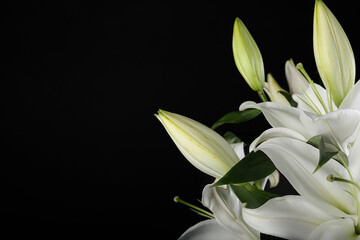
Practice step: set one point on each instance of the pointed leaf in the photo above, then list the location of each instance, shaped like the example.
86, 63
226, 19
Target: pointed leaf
236, 117
254, 166
341, 158
252, 196
324, 156
315, 141
289, 98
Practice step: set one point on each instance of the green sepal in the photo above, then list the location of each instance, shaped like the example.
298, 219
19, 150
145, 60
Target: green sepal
251, 195
237, 117
254, 166
324, 155
289, 98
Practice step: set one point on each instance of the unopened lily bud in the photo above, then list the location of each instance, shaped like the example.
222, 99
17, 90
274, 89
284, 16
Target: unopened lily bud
247, 57
273, 90
201, 146
296, 81
333, 54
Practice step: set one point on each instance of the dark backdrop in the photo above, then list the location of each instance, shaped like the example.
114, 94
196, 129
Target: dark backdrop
81, 83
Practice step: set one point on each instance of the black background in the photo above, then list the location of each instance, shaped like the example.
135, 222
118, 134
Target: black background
83, 152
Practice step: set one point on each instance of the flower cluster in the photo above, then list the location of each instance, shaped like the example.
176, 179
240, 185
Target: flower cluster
313, 142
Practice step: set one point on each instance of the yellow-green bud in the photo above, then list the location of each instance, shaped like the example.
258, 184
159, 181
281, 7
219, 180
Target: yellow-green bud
333, 54
247, 57
201, 146
273, 90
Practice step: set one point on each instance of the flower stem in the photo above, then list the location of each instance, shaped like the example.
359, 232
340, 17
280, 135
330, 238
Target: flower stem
262, 96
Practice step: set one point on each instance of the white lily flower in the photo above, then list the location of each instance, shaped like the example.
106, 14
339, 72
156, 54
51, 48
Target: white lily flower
228, 222
325, 210
333, 54
338, 128
201, 146
247, 57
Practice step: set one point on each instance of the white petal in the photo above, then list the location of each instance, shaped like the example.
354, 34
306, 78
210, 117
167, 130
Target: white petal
207, 230
239, 149
297, 82
274, 133
274, 179
227, 208
297, 160
281, 115
290, 217
354, 160
334, 230
352, 99
308, 97
339, 128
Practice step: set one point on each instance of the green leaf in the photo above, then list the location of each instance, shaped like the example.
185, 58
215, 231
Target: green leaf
268, 237
315, 141
231, 138
236, 117
251, 195
254, 166
342, 158
324, 156
289, 98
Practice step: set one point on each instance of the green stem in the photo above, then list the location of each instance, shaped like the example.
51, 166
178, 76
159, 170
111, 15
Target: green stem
262, 96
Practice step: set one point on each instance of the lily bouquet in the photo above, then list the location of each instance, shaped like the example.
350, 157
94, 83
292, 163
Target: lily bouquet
313, 141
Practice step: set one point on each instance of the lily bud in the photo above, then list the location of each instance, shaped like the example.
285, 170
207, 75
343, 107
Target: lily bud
333, 54
247, 57
296, 81
273, 90
201, 146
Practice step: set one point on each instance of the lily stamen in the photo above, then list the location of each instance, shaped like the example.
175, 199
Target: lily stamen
331, 178
194, 208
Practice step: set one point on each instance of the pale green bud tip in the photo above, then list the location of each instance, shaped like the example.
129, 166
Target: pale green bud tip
176, 199
247, 57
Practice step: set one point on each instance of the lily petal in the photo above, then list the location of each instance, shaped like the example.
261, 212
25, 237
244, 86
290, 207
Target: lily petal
297, 160
227, 208
339, 128
239, 149
207, 230
334, 230
354, 160
352, 99
308, 101
290, 217
274, 133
